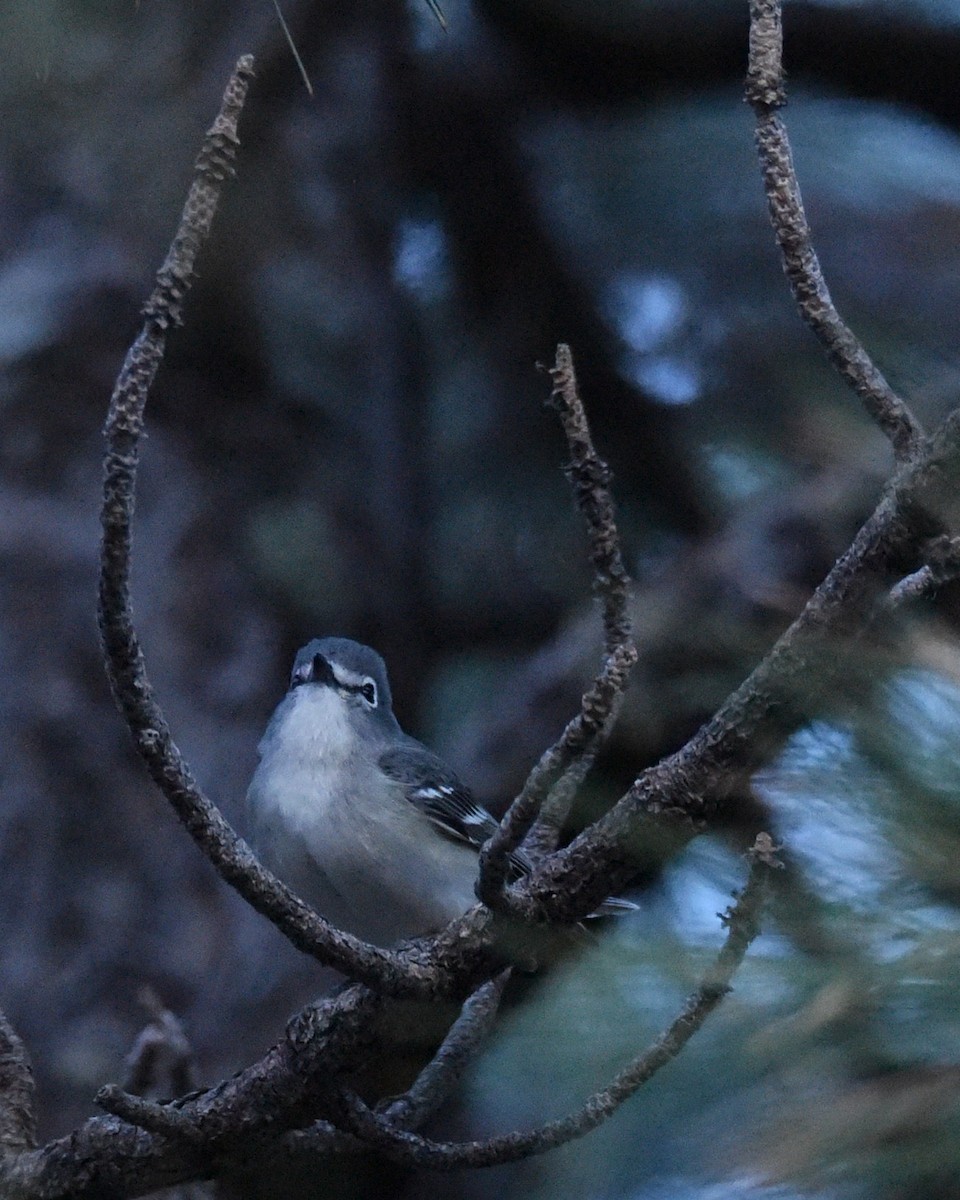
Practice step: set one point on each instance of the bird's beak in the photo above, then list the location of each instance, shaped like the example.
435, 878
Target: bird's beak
322, 672
316, 670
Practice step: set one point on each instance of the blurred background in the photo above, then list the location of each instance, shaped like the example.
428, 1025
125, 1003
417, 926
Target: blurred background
348, 437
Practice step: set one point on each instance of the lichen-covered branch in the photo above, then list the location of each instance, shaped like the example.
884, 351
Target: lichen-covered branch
591, 480
671, 802
17, 1095
107, 1156
765, 93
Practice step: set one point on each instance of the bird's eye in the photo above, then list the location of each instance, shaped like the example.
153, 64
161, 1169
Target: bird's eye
368, 690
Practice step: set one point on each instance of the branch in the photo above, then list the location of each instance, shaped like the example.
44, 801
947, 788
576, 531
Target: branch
17, 1095
590, 478
671, 802
461, 1045
742, 922
161, 1060
942, 566
765, 94
156, 1146
167, 1120
110, 1157
579, 736
592, 481
229, 854
545, 832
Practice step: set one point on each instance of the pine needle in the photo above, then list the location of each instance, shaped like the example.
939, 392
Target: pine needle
293, 49
437, 11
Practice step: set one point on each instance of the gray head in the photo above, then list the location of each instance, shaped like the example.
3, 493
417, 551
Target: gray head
358, 673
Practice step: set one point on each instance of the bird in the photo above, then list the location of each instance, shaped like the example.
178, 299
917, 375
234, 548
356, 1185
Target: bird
365, 823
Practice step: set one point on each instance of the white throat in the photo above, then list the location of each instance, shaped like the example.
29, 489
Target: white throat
314, 731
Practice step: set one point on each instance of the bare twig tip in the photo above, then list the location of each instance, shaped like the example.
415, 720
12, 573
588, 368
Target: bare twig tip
764, 92
764, 850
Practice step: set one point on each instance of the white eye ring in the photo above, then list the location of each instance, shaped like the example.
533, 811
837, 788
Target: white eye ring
368, 690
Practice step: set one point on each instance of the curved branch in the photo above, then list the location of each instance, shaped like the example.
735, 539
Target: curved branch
228, 853
591, 480
765, 93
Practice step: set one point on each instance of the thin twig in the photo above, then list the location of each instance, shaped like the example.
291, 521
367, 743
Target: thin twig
590, 478
437, 11
765, 93
578, 737
942, 566
919, 586
161, 1060
546, 831
459, 1048
742, 922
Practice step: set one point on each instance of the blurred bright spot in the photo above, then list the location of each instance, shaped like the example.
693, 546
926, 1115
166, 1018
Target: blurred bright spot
740, 472
420, 259
646, 309
738, 1188
821, 790
669, 380
925, 708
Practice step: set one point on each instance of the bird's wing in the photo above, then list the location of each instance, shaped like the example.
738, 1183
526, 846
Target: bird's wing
430, 785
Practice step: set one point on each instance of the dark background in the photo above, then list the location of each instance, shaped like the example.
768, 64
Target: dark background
348, 438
